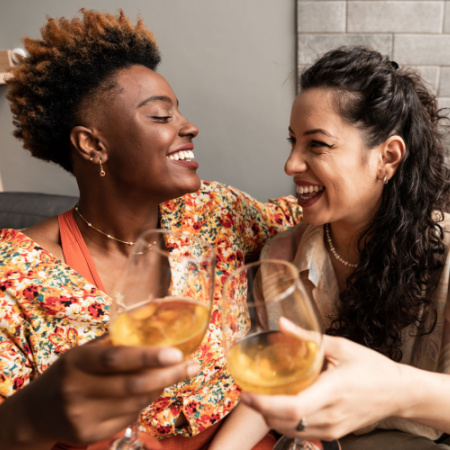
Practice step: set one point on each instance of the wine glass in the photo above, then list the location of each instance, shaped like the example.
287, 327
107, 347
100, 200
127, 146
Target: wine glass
260, 357
164, 298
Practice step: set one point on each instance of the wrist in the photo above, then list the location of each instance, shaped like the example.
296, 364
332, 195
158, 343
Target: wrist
410, 392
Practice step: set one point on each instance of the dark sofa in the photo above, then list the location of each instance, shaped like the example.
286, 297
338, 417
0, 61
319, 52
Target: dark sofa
23, 209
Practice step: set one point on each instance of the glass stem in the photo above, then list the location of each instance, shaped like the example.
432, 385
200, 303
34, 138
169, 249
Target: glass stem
130, 440
300, 444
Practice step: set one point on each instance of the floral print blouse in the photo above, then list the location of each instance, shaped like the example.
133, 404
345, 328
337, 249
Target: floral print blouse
46, 308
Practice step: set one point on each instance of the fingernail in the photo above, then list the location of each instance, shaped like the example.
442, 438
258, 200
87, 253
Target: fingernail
169, 356
192, 370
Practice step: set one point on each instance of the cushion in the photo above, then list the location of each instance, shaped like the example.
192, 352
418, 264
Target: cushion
23, 209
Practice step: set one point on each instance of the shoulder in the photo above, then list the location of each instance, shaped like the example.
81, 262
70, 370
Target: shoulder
284, 245
219, 190
213, 194
46, 235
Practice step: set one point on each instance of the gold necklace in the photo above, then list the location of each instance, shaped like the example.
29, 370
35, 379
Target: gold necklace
89, 224
333, 250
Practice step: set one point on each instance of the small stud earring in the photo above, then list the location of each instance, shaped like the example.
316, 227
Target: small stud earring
102, 172
386, 181
91, 158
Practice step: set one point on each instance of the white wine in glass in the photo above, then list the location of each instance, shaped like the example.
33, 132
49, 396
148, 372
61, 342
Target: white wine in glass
261, 358
163, 299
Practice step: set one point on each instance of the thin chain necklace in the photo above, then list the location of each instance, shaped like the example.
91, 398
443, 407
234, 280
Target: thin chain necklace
89, 224
333, 250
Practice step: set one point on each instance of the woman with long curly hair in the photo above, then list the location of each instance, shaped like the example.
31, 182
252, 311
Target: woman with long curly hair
368, 158
87, 97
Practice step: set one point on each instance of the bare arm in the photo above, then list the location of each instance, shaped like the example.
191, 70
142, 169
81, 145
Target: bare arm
359, 388
242, 429
89, 394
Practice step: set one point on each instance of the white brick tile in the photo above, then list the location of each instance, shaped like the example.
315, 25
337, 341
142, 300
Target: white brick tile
395, 16
444, 82
422, 49
447, 17
321, 17
311, 46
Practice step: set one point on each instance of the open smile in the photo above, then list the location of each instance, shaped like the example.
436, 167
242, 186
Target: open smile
182, 155
306, 193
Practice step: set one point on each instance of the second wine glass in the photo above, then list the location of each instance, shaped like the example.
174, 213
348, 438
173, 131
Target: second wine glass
262, 358
164, 298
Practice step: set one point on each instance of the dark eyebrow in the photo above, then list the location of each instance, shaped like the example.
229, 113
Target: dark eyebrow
317, 130
156, 98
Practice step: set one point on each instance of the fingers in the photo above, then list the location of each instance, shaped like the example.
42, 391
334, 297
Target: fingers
333, 345
147, 382
89, 398
289, 328
284, 413
293, 407
108, 359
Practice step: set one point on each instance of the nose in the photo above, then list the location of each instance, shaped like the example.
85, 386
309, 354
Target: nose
188, 128
296, 163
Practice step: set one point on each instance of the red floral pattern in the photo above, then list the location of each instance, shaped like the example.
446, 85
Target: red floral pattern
46, 308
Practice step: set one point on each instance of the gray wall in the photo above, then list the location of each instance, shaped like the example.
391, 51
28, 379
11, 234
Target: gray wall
231, 64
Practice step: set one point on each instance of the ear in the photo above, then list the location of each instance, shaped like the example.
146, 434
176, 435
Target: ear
88, 145
392, 153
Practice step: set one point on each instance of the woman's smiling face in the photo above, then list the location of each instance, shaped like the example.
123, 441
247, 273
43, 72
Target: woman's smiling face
148, 142
335, 173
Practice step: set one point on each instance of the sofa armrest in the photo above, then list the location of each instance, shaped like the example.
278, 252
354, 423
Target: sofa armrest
24, 209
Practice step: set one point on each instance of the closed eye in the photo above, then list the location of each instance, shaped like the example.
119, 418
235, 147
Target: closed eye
318, 144
162, 118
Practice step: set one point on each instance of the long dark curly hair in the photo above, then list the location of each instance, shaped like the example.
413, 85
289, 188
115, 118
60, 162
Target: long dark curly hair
74, 61
392, 286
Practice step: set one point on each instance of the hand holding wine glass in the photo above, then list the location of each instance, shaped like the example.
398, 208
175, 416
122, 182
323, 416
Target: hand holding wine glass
164, 298
261, 357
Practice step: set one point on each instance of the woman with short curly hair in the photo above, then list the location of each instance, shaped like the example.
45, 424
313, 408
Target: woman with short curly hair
78, 57
368, 158
87, 97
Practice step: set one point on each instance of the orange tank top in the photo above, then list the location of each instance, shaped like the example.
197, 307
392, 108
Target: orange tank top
76, 253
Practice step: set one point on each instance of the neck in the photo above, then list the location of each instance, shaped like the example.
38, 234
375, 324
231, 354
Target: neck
123, 221
345, 242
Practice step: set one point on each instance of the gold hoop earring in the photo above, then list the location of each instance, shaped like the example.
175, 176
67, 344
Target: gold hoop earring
102, 172
386, 181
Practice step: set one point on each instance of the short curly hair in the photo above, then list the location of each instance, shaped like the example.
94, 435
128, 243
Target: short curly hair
74, 61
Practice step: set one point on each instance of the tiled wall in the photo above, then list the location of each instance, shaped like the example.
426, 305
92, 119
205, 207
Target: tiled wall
416, 33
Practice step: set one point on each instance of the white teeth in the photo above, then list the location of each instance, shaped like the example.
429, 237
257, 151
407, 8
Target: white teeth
184, 155
309, 189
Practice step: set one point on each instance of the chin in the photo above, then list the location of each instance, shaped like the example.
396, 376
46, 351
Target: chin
191, 187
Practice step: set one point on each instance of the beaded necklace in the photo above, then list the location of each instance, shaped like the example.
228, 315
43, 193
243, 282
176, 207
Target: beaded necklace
333, 250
